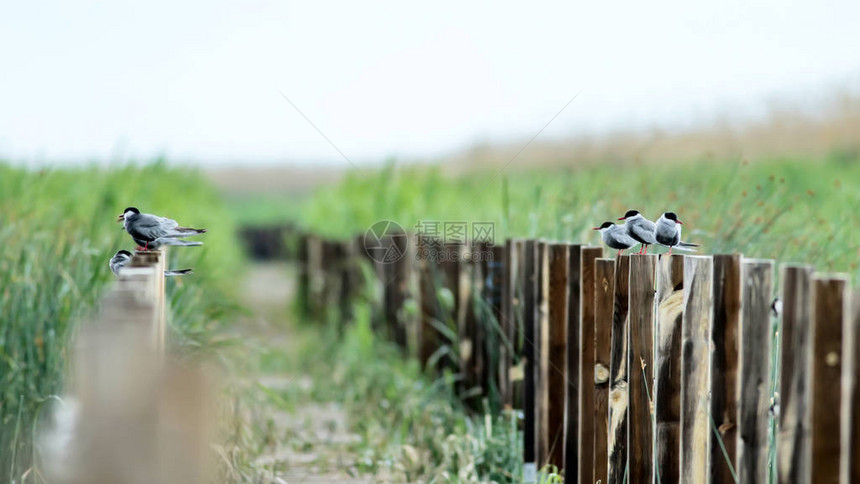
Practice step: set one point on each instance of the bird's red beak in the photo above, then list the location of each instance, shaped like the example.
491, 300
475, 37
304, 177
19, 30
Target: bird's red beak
120, 218
622, 218
679, 222
596, 228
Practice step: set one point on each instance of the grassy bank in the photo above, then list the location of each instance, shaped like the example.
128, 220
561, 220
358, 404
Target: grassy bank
58, 230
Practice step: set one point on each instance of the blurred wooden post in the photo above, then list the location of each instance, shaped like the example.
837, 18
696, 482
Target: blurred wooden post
754, 371
667, 366
830, 297
494, 334
431, 314
850, 459
507, 323
695, 368
604, 301
556, 379
618, 390
542, 356
640, 358
586, 364
315, 276
793, 438
516, 379
725, 327
156, 259
529, 313
473, 329
303, 289
571, 395
400, 270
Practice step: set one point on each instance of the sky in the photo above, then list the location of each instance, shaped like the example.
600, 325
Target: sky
326, 82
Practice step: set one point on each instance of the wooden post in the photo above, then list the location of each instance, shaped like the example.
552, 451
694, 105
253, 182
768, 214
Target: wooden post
850, 459
617, 472
586, 364
302, 291
542, 356
604, 301
507, 323
667, 365
754, 370
640, 368
156, 259
793, 444
529, 313
517, 378
572, 389
695, 368
559, 266
725, 335
830, 297
431, 313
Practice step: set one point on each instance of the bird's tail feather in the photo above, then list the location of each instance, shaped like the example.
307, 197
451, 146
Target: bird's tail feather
685, 248
177, 242
179, 272
687, 244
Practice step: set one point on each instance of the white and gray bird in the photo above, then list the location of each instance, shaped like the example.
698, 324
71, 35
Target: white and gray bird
123, 257
151, 231
667, 232
615, 237
640, 229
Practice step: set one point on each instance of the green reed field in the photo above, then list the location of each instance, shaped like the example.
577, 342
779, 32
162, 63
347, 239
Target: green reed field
788, 210
57, 232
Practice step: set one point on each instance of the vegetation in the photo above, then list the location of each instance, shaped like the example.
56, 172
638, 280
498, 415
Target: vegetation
788, 210
58, 230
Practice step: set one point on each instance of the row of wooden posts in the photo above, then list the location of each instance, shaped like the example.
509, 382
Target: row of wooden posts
638, 368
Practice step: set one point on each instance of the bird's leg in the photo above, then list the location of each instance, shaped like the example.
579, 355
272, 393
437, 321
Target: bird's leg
670, 251
646, 249
618, 254
146, 246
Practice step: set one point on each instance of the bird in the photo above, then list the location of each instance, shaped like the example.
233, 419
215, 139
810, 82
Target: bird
640, 228
147, 229
615, 237
123, 257
667, 232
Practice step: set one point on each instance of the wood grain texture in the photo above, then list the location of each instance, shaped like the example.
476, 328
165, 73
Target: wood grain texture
604, 302
829, 296
586, 364
506, 324
430, 315
542, 356
695, 368
556, 380
754, 371
793, 437
494, 339
617, 444
571, 396
667, 364
725, 341
640, 369
528, 347
850, 459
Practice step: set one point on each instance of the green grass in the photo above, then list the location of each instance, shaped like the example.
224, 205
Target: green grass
788, 210
58, 230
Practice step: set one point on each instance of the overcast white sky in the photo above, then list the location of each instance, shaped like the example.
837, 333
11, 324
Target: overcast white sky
202, 80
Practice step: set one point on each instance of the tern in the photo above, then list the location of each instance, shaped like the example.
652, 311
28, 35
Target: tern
640, 229
147, 229
123, 257
615, 237
667, 232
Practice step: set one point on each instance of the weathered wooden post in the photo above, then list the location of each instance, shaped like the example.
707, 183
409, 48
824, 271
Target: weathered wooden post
640, 358
667, 367
516, 379
507, 323
494, 338
571, 395
618, 390
830, 298
695, 368
157, 260
725, 347
542, 355
754, 369
316, 280
586, 364
559, 266
431, 313
529, 316
303, 289
850, 471
604, 301
793, 438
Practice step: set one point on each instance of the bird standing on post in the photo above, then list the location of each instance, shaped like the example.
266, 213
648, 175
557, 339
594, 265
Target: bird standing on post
640, 229
615, 237
667, 232
152, 231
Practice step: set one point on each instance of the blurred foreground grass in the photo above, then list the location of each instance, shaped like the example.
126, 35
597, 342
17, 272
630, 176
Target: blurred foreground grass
57, 232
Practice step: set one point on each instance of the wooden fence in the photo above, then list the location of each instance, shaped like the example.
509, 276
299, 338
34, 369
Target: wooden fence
131, 415
639, 369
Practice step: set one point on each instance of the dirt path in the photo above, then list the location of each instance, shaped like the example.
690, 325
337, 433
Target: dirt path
312, 439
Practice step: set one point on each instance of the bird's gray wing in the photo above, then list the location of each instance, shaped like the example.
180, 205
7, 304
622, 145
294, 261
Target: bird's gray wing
666, 233
150, 227
644, 230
